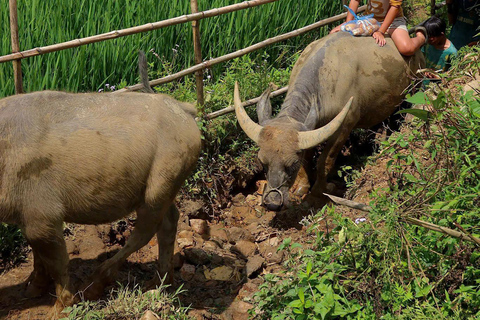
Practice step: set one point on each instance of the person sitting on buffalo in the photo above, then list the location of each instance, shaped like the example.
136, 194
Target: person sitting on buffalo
389, 14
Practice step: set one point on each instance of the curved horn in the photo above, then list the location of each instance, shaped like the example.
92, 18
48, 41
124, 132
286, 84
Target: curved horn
248, 125
310, 139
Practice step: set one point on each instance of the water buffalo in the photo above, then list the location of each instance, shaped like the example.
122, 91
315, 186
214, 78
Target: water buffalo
93, 158
327, 74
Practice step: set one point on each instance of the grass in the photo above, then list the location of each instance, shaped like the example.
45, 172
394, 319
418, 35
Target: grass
89, 68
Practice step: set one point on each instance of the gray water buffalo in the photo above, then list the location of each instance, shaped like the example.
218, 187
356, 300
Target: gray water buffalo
93, 158
327, 74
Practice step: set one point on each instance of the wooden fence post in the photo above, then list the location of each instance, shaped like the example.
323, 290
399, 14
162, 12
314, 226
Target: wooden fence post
17, 64
198, 54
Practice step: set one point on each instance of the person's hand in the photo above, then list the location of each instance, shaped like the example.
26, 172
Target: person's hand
336, 29
379, 38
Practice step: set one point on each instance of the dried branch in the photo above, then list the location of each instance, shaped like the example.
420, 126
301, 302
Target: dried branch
410, 220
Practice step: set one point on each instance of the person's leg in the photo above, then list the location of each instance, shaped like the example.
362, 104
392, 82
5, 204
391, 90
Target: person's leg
400, 36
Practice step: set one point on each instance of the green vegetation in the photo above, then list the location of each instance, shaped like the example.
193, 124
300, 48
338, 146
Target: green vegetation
128, 303
89, 68
382, 267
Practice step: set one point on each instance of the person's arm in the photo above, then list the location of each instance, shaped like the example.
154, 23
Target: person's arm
379, 35
354, 4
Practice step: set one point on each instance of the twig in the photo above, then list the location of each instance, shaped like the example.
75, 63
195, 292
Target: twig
410, 220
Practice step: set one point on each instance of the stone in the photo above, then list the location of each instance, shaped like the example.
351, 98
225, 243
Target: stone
187, 272
218, 234
194, 209
254, 264
185, 242
269, 251
245, 248
238, 310
236, 234
196, 256
222, 273
238, 199
149, 315
199, 226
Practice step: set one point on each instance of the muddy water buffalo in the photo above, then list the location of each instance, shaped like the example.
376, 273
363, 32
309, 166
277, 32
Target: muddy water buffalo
93, 158
328, 73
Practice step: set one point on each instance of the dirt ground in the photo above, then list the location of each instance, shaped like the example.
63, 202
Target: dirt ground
218, 261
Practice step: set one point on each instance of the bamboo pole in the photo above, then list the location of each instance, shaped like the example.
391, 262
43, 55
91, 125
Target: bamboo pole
246, 103
417, 222
198, 53
133, 30
241, 52
17, 64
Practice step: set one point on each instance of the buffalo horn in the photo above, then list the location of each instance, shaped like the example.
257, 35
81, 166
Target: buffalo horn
251, 128
310, 139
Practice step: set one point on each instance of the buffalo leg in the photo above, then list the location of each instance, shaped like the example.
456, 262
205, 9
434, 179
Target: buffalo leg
326, 162
49, 246
39, 279
148, 222
166, 243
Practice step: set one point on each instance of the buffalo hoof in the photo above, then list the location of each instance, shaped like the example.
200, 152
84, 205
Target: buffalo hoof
34, 291
36, 285
316, 202
93, 290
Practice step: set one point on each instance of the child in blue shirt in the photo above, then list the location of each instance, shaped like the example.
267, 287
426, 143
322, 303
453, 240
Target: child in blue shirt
439, 49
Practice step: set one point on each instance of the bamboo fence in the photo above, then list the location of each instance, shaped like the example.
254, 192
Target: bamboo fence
17, 64
133, 30
199, 66
241, 52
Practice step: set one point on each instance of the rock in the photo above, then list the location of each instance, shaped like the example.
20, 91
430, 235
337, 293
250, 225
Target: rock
199, 226
253, 200
194, 209
238, 310
187, 272
236, 234
185, 234
72, 248
196, 256
245, 248
149, 315
254, 264
222, 273
269, 251
249, 289
238, 199
218, 234
185, 242
211, 246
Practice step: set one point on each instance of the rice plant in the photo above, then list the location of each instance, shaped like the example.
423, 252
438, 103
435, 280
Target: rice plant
89, 68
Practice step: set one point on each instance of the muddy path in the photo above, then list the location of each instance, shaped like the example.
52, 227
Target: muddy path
218, 262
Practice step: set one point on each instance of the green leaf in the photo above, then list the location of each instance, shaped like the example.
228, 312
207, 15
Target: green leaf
418, 98
301, 295
295, 304
421, 114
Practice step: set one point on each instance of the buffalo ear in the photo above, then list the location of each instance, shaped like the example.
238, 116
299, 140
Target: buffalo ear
312, 118
264, 107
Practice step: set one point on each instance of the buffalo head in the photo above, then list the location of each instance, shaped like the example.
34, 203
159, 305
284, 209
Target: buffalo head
282, 142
